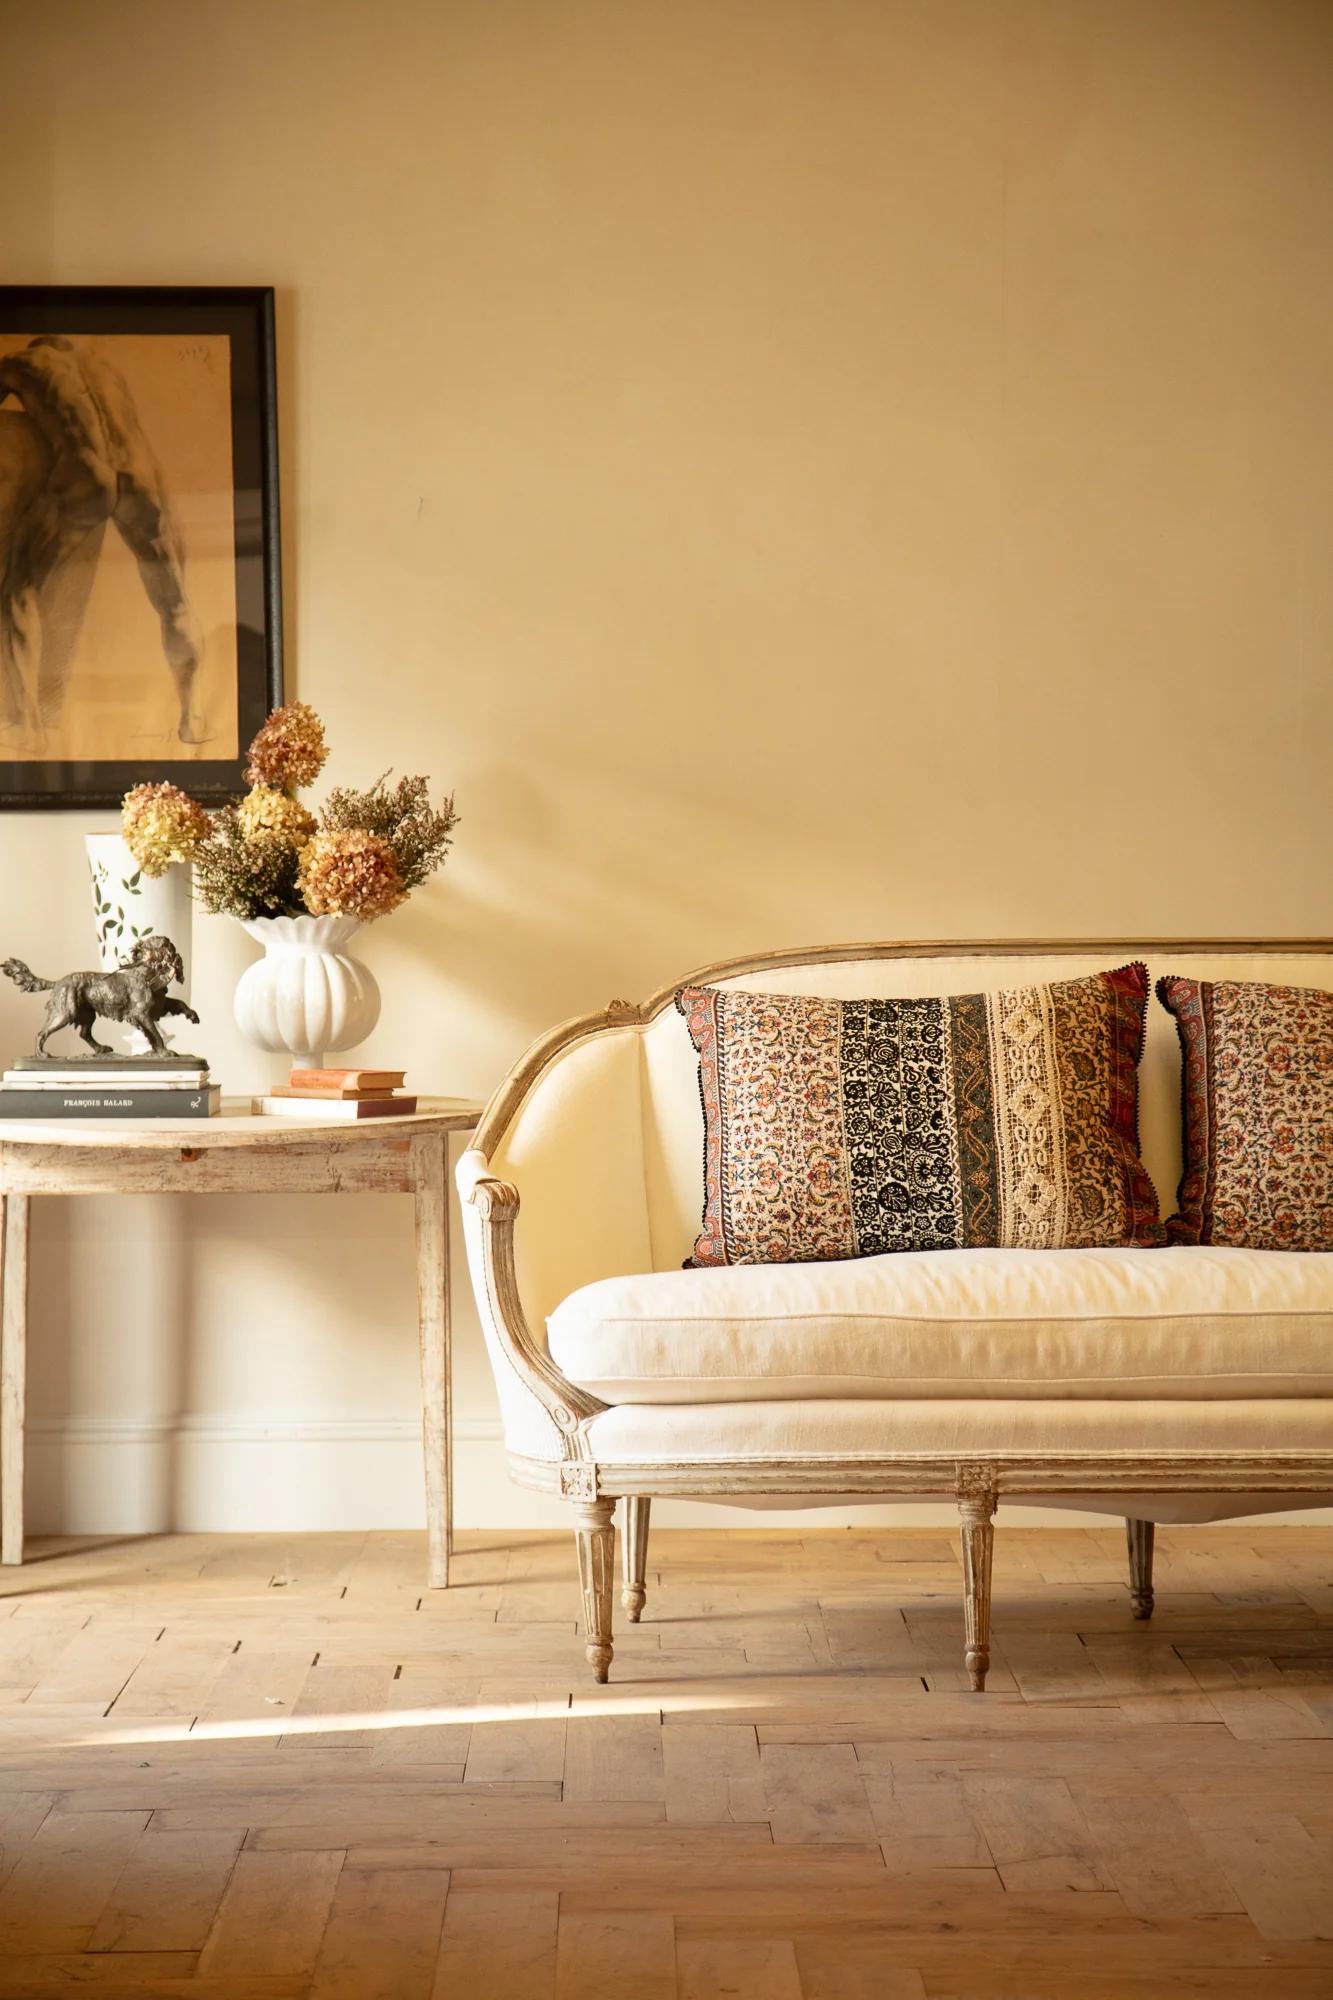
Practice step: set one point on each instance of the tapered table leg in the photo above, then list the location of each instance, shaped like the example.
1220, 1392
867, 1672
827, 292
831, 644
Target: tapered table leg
13, 1369
433, 1319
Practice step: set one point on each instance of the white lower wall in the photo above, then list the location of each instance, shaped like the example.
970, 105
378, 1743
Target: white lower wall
263, 1471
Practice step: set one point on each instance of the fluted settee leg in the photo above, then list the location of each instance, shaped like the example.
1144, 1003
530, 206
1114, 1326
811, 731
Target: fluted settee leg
1139, 1537
976, 1509
595, 1534
635, 1551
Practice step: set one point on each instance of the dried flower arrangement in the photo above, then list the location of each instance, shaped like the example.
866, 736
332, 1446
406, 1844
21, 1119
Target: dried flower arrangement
269, 856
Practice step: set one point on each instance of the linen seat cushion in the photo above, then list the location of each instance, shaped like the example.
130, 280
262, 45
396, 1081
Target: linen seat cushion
842, 1128
1257, 1096
1127, 1323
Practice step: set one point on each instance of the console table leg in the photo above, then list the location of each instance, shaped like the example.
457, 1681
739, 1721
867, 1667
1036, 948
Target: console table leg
432, 1237
13, 1369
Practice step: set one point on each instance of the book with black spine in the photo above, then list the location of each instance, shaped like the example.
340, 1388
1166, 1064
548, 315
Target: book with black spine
78, 1102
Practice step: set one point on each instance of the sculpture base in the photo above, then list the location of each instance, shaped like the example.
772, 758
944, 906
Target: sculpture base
117, 1060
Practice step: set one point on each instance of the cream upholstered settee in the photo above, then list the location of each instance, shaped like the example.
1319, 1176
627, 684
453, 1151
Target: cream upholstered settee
1178, 1384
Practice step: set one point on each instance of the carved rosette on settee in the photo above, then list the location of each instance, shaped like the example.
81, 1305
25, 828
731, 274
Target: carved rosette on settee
1175, 1384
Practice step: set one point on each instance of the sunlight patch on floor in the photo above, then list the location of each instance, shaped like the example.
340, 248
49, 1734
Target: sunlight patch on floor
318, 1723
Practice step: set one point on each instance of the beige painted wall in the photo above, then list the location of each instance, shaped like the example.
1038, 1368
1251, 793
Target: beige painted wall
801, 468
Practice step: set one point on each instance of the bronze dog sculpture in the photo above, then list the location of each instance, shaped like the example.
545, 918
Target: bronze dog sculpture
135, 993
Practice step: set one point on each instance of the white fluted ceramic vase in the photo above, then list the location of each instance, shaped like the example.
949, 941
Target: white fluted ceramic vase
307, 994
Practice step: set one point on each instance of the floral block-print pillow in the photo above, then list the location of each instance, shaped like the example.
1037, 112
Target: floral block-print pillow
847, 1128
1257, 1097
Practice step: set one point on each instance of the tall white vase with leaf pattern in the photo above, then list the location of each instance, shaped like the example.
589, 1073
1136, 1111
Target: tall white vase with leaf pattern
129, 905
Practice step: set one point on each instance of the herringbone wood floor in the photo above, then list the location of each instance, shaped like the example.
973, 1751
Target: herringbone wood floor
265, 1766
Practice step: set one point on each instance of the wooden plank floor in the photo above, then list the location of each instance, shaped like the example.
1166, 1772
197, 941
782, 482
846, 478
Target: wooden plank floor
278, 1767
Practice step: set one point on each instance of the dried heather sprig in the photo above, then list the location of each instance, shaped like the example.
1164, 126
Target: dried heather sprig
239, 875
161, 824
350, 873
419, 833
290, 749
264, 813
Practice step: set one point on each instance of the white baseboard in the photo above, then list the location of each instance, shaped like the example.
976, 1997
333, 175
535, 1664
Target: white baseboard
260, 1471
266, 1470
275, 1471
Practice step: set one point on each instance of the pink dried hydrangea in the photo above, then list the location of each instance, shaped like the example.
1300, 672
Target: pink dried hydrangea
290, 750
349, 873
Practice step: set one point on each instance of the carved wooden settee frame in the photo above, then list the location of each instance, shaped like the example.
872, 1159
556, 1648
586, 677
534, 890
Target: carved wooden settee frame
977, 1482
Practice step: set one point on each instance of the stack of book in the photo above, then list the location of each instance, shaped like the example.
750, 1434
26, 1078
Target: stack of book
108, 1087
321, 1094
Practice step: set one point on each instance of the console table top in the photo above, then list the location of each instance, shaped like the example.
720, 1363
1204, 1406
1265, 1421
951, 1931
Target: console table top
237, 1125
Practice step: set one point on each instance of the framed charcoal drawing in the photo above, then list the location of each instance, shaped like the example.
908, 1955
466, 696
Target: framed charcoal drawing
140, 609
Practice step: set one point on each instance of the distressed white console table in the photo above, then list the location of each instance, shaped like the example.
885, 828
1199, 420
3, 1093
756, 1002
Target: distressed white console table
238, 1153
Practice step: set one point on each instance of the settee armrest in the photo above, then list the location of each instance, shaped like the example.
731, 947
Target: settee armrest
542, 1410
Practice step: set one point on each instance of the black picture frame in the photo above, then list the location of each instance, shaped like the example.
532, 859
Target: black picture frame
244, 315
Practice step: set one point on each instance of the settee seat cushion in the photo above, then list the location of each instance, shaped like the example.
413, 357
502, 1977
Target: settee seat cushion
1193, 1323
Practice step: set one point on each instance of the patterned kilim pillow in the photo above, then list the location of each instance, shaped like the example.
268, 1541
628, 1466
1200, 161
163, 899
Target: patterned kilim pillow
845, 1128
1257, 1098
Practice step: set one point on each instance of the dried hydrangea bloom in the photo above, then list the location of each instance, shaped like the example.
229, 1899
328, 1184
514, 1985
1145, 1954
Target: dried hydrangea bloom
266, 814
418, 832
350, 874
289, 750
161, 824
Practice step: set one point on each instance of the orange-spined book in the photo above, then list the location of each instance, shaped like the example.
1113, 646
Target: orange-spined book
347, 1080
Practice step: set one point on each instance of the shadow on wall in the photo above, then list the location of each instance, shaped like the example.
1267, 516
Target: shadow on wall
562, 897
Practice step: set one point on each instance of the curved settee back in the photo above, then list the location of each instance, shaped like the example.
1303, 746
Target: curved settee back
600, 1127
